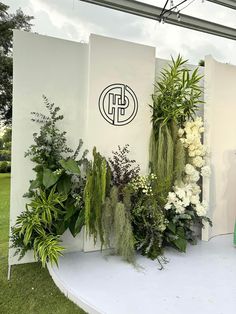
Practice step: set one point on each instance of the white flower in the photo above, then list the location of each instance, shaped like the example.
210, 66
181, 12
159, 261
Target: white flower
171, 197
196, 188
195, 129
179, 209
205, 205
200, 209
198, 121
194, 199
181, 132
191, 153
189, 138
189, 169
194, 177
206, 171
168, 206
191, 147
186, 201
198, 161
180, 192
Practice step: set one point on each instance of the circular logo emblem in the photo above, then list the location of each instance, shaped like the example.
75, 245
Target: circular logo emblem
118, 104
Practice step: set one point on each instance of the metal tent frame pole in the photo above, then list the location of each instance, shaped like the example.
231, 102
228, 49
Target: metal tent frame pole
226, 3
153, 12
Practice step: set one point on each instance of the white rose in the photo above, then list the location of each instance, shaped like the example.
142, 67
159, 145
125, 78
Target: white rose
206, 171
180, 192
194, 177
194, 199
200, 210
195, 129
198, 121
171, 197
186, 201
191, 147
189, 169
180, 209
198, 152
181, 132
196, 189
191, 153
189, 138
205, 205
168, 206
198, 161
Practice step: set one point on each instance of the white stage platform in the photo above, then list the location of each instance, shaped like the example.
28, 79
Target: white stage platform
202, 281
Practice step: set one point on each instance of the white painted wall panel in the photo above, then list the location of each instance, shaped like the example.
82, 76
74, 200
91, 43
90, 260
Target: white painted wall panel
58, 69
115, 61
220, 136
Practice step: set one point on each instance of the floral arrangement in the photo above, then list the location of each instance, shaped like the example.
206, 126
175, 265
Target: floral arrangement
187, 192
125, 210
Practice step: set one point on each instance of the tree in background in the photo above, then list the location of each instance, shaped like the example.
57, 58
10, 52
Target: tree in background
5, 150
8, 22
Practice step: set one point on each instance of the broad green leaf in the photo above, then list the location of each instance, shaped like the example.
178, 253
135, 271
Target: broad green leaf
180, 232
49, 178
70, 211
181, 244
61, 227
70, 165
172, 227
76, 223
64, 184
34, 184
79, 222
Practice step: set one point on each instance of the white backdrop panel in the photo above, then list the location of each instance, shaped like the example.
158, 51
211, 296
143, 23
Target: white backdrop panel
220, 136
58, 69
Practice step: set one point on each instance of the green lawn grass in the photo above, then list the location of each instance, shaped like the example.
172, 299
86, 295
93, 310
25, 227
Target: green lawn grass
31, 289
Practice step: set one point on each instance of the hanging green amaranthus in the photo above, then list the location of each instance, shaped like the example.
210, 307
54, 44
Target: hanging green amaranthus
97, 186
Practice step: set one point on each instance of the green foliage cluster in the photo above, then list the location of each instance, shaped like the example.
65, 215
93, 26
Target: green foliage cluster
181, 228
31, 288
177, 95
5, 151
147, 216
5, 166
56, 193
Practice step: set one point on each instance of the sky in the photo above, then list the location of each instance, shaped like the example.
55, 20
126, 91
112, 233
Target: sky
75, 20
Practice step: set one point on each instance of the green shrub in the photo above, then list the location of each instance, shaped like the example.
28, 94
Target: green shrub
5, 155
55, 195
5, 166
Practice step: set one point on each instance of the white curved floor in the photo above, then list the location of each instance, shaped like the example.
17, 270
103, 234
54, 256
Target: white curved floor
202, 281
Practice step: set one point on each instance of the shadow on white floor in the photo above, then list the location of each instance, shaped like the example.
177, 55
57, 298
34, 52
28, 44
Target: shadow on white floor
202, 281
